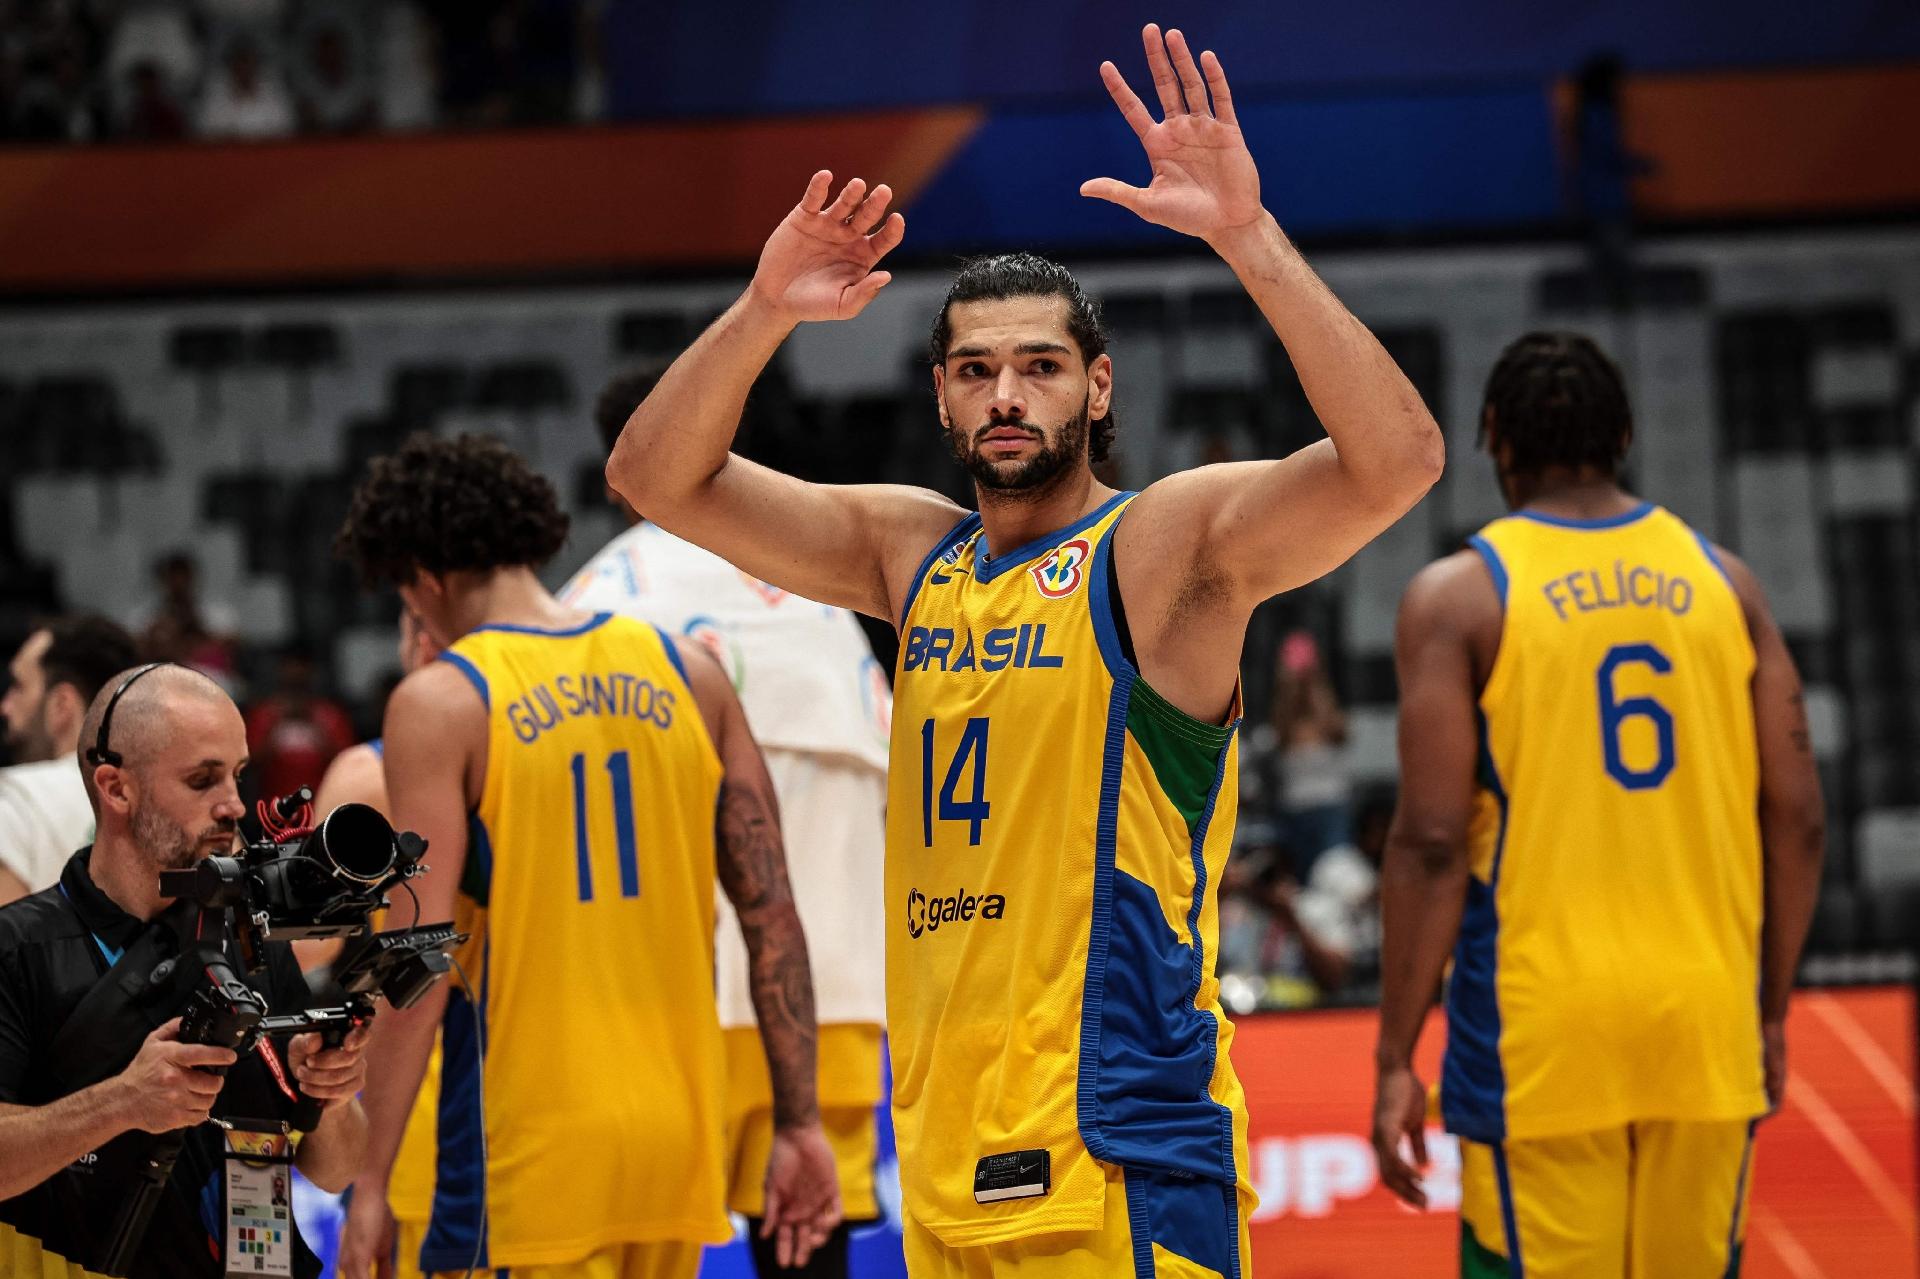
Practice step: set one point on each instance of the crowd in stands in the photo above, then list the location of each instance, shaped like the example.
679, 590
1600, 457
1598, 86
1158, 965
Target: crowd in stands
171, 70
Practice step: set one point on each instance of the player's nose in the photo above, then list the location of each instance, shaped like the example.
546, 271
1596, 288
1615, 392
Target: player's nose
1008, 401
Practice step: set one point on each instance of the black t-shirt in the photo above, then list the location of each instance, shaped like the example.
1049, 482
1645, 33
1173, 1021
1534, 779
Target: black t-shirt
58, 945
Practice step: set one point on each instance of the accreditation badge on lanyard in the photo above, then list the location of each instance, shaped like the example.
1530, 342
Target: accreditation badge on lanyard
259, 1178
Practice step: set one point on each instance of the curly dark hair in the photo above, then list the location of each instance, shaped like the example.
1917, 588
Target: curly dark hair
1555, 399
442, 506
996, 277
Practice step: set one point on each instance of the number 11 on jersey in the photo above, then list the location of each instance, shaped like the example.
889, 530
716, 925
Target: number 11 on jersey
620, 773
972, 748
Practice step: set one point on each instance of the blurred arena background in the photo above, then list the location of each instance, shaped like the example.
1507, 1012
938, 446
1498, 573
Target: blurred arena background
247, 244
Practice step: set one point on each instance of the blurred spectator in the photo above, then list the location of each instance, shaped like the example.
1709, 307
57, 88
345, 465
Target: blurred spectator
153, 55
402, 43
44, 814
52, 97
151, 114
1316, 788
294, 732
332, 69
244, 99
177, 626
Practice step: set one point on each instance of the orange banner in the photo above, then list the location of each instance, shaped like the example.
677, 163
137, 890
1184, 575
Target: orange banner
1834, 1175
440, 205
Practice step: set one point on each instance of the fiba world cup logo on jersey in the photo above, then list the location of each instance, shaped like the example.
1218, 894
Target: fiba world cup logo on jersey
1059, 575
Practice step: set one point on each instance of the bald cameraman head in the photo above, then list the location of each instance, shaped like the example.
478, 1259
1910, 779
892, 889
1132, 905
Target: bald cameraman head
163, 748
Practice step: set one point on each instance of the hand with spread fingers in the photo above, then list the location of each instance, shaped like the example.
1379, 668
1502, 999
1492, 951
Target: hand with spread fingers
819, 262
1204, 180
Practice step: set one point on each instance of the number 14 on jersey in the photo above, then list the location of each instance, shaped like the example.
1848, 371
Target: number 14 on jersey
969, 757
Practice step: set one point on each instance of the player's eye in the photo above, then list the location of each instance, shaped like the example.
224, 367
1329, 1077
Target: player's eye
1045, 366
973, 369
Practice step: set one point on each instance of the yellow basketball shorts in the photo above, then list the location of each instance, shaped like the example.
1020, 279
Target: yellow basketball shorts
849, 1089
620, 1261
1157, 1227
1646, 1201
407, 1238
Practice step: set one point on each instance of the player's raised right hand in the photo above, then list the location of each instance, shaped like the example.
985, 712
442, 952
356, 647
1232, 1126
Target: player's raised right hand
164, 1086
818, 263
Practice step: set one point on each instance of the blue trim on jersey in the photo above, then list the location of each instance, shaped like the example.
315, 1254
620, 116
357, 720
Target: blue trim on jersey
1139, 1224
948, 540
673, 655
1494, 564
1605, 521
1473, 1081
1194, 1219
457, 1220
1100, 607
986, 568
569, 632
1739, 1197
1712, 555
1099, 931
1147, 1055
466, 667
378, 746
1508, 1218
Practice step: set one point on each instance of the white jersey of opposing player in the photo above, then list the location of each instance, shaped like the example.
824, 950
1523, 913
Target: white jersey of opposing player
821, 708
44, 819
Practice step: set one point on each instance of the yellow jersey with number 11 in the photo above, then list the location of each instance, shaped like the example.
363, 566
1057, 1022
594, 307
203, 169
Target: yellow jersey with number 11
589, 893
1608, 965
1056, 833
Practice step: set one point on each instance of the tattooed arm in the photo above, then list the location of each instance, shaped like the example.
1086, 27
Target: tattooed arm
803, 1187
1792, 817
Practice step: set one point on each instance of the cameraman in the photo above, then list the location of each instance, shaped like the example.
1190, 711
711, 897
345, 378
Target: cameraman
164, 790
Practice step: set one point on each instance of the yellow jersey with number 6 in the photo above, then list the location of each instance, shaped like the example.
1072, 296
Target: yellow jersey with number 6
588, 892
1608, 964
1056, 833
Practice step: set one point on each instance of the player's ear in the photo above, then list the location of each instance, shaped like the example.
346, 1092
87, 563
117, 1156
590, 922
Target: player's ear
939, 395
1099, 387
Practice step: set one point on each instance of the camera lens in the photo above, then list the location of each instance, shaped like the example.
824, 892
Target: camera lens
356, 842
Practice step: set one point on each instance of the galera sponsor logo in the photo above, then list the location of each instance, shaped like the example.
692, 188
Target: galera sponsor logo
928, 914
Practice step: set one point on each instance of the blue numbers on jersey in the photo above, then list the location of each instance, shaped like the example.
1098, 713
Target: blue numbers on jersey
620, 772
1615, 712
973, 746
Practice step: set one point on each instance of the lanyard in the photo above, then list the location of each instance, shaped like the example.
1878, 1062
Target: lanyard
110, 953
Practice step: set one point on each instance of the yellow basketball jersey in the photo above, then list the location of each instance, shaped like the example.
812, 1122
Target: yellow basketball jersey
1607, 969
1055, 837
589, 893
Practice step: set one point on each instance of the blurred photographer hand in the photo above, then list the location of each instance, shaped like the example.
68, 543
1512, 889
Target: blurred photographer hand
163, 1089
330, 1075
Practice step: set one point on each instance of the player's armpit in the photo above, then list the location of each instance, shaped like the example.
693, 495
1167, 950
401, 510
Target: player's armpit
1792, 810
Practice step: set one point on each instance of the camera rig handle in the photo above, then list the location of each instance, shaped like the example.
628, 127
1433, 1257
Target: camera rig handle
333, 1026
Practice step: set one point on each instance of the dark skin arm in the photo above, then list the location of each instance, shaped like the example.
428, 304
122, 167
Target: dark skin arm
1444, 644
802, 1184
1792, 818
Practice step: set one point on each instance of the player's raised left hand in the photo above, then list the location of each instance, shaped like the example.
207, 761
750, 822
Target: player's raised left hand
803, 1193
1204, 179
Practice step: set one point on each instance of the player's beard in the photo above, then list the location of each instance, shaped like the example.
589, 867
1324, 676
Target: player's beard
32, 742
1035, 475
169, 847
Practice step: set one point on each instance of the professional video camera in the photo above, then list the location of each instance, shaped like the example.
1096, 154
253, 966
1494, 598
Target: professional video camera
300, 882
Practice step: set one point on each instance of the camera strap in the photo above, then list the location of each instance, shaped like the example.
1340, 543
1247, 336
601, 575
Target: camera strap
138, 995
